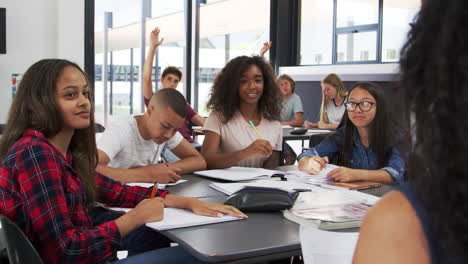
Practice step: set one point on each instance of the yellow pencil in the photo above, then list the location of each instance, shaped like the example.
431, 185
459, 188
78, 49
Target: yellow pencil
255, 129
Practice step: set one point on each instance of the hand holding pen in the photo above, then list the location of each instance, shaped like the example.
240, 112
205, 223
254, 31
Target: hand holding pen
163, 173
314, 164
259, 147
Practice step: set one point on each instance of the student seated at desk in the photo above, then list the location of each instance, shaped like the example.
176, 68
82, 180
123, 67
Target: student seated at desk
245, 90
425, 221
130, 147
170, 78
48, 183
292, 113
363, 146
333, 103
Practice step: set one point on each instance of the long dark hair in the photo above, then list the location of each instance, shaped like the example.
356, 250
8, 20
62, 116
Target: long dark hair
34, 107
224, 97
380, 131
434, 77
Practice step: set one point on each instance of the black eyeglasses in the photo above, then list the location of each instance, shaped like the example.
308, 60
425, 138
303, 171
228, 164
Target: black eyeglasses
364, 106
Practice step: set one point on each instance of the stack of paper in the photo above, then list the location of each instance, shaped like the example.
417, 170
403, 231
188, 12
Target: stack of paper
320, 246
289, 186
178, 218
238, 173
336, 209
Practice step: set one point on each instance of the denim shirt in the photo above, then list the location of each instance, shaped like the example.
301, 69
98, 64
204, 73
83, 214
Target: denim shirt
362, 157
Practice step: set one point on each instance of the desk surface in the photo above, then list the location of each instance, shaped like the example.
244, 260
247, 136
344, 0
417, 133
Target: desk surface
261, 237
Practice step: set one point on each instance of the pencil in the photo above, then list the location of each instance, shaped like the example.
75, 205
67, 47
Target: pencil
255, 129
155, 190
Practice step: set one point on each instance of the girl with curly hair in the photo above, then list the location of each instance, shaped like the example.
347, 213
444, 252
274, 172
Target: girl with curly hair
244, 91
425, 221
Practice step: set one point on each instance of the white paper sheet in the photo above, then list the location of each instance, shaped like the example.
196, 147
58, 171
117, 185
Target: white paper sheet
238, 173
327, 247
178, 218
160, 185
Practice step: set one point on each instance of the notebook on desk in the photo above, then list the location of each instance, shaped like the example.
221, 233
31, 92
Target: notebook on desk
359, 185
238, 173
178, 218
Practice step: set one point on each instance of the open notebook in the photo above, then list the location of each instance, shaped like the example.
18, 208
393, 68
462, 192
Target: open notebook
238, 173
178, 218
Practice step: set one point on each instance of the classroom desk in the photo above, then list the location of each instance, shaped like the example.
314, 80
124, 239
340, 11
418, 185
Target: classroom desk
314, 137
261, 237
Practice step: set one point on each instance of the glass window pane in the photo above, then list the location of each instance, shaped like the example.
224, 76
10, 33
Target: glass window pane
224, 36
169, 17
397, 15
356, 47
316, 32
124, 12
357, 12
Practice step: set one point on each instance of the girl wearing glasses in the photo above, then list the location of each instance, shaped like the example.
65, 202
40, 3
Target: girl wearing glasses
363, 145
333, 103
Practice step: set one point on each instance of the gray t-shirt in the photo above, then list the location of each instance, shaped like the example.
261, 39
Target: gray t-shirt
291, 106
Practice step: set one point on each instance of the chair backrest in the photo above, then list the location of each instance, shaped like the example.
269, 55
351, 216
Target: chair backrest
99, 128
15, 247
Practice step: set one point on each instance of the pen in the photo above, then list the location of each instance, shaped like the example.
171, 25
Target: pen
155, 190
316, 154
255, 129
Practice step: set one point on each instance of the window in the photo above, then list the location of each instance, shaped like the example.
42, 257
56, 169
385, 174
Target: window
396, 18
365, 31
124, 57
316, 32
224, 36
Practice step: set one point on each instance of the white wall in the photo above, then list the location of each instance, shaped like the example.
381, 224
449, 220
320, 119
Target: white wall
39, 29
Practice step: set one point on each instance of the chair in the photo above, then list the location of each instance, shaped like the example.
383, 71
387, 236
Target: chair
15, 247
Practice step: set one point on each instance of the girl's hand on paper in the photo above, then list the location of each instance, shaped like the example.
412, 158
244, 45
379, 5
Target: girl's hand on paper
342, 174
259, 147
149, 210
313, 165
213, 209
322, 125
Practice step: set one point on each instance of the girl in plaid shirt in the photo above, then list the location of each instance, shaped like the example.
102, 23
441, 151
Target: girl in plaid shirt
48, 182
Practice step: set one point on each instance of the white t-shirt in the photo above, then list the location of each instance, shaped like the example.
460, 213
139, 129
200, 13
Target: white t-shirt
335, 113
237, 134
125, 147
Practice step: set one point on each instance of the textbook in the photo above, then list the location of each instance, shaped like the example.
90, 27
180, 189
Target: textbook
239, 173
178, 218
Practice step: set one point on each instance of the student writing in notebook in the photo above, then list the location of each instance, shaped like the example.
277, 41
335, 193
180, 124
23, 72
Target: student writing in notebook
129, 149
48, 183
170, 78
425, 220
334, 97
245, 90
364, 146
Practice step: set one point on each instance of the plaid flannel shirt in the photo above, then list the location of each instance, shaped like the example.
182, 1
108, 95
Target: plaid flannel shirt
42, 193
